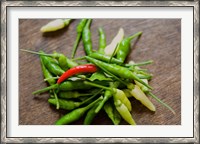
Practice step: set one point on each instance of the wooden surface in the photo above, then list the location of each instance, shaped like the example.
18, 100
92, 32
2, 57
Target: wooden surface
160, 42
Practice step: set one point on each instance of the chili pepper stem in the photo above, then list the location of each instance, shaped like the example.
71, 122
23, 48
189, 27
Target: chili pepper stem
88, 23
114, 52
161, 102
57, 102
38, 53
100, 105
140, 63
143, 63
99, 86
79, 58
135, 35
90, 98
45, 89
51, 78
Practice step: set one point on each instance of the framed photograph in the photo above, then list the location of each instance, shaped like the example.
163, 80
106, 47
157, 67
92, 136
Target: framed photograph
100, 71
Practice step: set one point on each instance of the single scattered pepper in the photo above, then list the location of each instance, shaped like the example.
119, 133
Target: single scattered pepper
79, 30
124, 47
86, 37
102, 41
55, 25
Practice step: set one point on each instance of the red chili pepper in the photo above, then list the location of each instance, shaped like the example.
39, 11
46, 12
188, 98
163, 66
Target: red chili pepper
89, 68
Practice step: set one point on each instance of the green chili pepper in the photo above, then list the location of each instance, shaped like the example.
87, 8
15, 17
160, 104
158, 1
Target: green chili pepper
70, 104
102, 41
139, 95
63, 62
124, 47
72, 94
52, 67
112, 113
55, 25
117, 70
47, 74
108, 94
120, 95
142, 76
76, 114
49, 63
86, 37
79, 30
51, 81
65, 86
105, 58
90, 115
124, 112
77, 94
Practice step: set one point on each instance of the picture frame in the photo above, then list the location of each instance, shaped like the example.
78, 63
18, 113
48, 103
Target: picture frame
5, 62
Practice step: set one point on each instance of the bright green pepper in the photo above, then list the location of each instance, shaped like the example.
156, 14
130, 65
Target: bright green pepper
65, 86
102, 41
86, 37
72, 94
124, 47
79, 30
76, 114
47, 74
105, 58
63, 62
90, 115
70, 104
52, 67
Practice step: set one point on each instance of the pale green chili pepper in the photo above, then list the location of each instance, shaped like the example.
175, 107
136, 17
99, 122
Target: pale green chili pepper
55, 25
124, 112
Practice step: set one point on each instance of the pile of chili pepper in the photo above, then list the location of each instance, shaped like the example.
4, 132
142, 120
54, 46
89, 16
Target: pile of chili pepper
103, 83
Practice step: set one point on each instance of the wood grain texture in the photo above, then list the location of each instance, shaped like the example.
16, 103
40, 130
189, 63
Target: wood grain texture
160, 42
